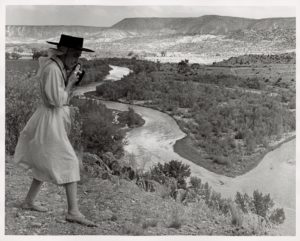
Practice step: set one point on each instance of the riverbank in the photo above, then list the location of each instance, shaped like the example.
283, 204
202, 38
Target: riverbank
185, 147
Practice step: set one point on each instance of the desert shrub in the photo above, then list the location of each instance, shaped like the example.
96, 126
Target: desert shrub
173, 169
96, 70
21, 100
99, 134
176, 220
132, 229
14, 55
277, 216
236, 215
149, 223
262, 203
131, 118
241, 202
195, 182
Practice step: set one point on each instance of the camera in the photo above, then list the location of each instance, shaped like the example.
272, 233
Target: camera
79, 73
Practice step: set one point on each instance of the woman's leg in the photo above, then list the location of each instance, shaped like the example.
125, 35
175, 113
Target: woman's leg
74, 215
31, 195
71, 192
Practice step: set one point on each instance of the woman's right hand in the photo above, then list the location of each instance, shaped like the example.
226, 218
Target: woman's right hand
73, 78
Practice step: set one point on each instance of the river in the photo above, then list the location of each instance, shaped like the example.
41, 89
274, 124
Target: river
153, 142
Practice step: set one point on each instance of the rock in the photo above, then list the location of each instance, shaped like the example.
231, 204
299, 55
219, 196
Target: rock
36, 224
60, 220
106, 214
60, 210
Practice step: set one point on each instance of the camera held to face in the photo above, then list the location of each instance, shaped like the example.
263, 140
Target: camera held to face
79, 73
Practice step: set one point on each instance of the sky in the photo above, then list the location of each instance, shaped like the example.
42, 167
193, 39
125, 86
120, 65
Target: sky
106, 16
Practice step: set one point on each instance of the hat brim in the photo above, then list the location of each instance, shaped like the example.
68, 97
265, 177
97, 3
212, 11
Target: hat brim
82, 49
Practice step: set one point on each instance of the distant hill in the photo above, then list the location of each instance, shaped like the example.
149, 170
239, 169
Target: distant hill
208, 24
211, 37
17, 32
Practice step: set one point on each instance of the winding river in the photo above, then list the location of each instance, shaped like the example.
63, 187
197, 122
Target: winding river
153, 142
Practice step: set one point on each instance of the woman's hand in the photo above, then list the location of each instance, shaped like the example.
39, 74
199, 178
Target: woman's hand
73, 78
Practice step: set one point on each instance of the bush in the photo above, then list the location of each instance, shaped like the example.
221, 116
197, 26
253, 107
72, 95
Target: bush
195, 182
131, 118
173, 169
22, 98
277, 216
262, 203
99, 135
15, 55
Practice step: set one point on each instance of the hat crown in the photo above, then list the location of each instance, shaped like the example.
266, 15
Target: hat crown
70, 41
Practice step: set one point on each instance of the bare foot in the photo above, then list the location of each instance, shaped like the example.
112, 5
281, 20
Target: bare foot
33, 207
81, 219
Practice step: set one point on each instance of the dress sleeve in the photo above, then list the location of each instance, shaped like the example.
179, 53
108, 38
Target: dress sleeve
54, 87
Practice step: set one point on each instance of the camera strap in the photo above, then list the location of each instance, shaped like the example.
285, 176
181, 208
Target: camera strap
62, 72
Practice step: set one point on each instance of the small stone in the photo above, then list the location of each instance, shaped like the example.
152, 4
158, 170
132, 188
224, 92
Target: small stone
61, 221
106, 215
36, 225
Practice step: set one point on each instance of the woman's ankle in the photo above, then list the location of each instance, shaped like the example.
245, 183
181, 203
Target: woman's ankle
75, 212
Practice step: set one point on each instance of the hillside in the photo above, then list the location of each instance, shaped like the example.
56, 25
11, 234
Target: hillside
204, 39
208, 24
251, 59
18, 32
119, 207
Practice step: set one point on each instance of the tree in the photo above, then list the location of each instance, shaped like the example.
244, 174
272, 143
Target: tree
7, 55
173, 169
262, 203
183, 66
15, 55
131, 53
277, 216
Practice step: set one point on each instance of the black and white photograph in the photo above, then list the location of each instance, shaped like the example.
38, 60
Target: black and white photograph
125, 119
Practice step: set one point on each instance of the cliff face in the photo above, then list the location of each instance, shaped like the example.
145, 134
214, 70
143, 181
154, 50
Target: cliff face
207, 36
209, 24
46, 32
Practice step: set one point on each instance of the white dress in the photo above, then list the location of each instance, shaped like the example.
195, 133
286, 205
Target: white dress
43, 145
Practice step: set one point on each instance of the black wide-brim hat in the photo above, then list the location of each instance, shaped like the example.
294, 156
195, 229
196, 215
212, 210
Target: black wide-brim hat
71, 42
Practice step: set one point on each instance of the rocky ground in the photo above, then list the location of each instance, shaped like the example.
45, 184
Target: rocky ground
118, 206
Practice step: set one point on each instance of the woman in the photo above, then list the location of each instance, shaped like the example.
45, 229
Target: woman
43, 145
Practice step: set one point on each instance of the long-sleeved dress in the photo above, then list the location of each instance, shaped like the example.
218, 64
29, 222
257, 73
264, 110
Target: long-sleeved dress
43, 145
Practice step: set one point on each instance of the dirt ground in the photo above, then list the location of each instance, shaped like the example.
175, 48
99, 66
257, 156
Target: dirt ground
119, 207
